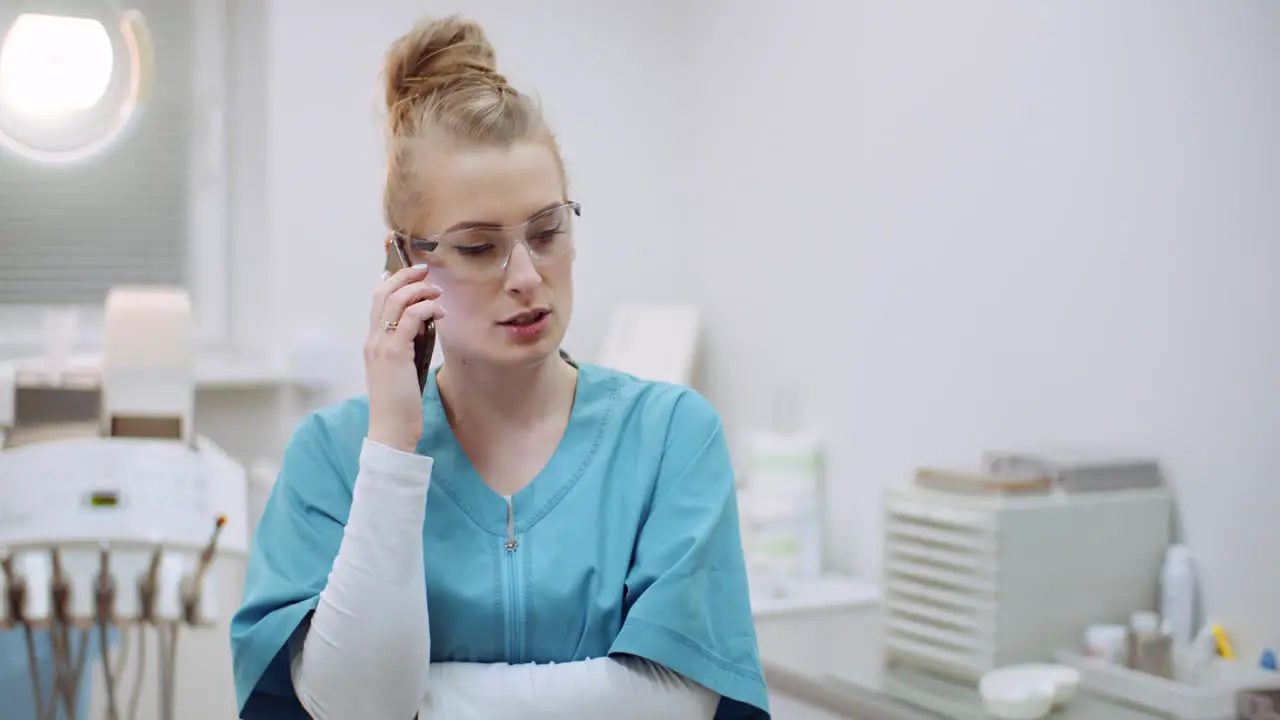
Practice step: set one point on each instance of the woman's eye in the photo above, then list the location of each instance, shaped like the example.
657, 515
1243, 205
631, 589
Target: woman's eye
547, 236
474, 249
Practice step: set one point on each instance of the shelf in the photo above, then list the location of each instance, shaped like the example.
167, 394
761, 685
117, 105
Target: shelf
213, 372
223, 373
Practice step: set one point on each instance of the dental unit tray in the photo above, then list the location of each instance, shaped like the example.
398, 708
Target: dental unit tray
133, 497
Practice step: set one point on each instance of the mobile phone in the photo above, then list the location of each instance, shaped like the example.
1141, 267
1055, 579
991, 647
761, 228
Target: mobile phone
424, 345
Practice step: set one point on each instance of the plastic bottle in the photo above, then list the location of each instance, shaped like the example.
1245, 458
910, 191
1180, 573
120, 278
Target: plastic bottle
1268, 660
782, 510
1197, 661
1150, 645
1178, 595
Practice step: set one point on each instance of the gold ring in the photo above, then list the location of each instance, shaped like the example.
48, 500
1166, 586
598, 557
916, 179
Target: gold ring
390, 325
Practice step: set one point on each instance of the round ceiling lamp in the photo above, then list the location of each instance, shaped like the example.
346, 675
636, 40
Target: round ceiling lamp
72, 81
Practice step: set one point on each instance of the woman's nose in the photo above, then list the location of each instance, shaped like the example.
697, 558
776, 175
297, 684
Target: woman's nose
522, 277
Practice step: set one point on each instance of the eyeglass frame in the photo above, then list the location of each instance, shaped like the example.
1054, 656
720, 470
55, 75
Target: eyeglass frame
430, 243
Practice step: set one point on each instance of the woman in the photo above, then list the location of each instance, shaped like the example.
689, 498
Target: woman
572, 530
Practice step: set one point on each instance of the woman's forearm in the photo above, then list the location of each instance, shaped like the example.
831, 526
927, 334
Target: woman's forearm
623, 688
367, 648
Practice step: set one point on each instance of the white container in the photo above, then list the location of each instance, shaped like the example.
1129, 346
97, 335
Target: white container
1028, 692
785, 462
781, 507
781, 535
1145, 624
1108, 642
1178, 595
60, 330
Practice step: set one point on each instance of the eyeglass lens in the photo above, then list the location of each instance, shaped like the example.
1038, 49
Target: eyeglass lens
486, 250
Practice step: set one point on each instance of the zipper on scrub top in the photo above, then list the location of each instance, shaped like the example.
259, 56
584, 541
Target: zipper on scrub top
515, 612
511, 543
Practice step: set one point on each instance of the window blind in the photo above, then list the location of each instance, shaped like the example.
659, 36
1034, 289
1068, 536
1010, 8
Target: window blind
70, 232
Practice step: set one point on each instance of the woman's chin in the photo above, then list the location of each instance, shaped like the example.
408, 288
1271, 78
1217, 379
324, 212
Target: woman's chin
503, 349
525, 352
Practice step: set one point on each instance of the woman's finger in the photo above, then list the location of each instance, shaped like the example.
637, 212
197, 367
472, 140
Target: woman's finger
404, 297
389, 285
416, 317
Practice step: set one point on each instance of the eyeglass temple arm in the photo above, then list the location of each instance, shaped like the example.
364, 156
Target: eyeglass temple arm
416, 243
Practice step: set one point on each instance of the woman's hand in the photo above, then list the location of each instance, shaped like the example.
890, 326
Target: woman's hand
402, 305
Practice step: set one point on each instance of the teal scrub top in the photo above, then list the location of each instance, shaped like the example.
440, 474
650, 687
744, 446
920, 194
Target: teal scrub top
627, 542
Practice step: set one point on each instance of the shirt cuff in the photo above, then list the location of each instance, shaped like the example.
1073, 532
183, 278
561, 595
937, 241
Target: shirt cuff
399, 468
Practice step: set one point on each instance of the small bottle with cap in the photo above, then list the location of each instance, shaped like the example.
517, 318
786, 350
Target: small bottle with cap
1150, 645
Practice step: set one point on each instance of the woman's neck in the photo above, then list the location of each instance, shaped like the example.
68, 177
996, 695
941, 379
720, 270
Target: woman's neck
478, 395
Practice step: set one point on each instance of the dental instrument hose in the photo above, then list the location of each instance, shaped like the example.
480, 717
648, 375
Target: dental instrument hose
121, 667
108, 672
65, 670
167, 642
135, 695
59, 637
146, 598
17, 604
33, 662
73, 682
105, 609
167, 633
162, 649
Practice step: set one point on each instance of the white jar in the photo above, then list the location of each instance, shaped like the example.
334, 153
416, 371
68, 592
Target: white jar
781, 506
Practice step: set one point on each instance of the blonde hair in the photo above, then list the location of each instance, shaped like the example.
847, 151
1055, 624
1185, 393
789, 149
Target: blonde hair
442, 80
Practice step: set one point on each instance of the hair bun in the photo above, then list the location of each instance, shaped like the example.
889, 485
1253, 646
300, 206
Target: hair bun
435, 58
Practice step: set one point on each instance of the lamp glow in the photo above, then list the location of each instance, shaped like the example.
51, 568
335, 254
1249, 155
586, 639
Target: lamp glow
51, 66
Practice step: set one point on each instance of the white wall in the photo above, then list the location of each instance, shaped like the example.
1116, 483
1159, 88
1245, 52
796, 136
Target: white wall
957, 226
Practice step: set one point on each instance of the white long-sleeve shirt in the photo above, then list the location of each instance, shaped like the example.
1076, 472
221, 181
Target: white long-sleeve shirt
366, 651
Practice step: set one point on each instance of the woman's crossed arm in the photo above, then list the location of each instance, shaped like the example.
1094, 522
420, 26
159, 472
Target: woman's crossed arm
365, 652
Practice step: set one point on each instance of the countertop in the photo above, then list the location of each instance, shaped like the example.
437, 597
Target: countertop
830, 658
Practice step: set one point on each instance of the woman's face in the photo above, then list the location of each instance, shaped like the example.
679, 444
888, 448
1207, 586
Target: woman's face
505, 256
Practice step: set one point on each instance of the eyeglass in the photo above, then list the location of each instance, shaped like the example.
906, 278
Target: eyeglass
483, 253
